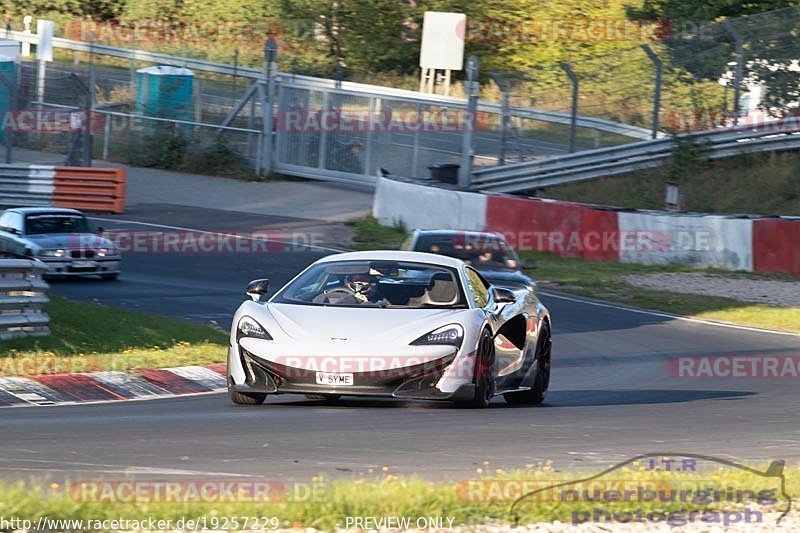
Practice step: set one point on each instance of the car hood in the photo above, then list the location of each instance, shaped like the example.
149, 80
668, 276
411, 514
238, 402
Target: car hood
69, 240
359, 325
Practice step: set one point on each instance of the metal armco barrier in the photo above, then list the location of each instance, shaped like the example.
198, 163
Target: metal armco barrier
592, 164
23, 295
27, 185
92, 189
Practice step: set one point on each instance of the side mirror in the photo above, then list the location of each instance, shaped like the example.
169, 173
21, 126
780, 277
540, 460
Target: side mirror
257, 288
530, 263
503, 296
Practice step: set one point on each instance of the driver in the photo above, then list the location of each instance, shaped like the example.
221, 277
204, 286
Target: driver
364, 287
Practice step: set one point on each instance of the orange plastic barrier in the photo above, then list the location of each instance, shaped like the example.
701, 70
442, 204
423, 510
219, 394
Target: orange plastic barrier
90, 189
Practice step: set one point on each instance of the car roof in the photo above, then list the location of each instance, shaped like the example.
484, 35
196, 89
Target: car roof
49, 210
395, 255
454, 232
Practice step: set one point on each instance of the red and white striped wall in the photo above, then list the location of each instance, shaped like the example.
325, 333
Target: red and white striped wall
598, 233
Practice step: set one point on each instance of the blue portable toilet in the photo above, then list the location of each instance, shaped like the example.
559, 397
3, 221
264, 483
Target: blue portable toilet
165, 92
8, 70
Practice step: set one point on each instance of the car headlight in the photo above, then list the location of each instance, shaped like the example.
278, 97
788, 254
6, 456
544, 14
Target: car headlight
452, 334
102, 252
248, 327
53, 253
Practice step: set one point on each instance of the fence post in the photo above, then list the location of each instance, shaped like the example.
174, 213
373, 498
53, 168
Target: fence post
737, 78
415, 151
659, 65
87, 140
370, 127
573, 120
472, 88
12, 91
504, 115
132, 74
270, 53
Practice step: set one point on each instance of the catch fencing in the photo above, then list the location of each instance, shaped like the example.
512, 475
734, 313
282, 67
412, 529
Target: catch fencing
23, 295
233, 123
738, 72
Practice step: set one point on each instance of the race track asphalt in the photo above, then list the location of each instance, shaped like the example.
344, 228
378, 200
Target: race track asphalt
611, 396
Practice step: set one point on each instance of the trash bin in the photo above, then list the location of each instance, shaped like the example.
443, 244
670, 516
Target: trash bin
447, 172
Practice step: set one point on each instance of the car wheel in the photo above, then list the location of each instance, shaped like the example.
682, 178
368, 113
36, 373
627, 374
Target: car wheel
246, 398
537, 394
484, 373
109, 277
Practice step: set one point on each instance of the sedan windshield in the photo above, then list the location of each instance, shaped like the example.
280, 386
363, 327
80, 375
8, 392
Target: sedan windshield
55, 223
391, 284
479, 250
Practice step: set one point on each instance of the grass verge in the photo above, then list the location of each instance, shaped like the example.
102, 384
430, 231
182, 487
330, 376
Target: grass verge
87, 337
605, 281
370, 235
750, 183
479, 500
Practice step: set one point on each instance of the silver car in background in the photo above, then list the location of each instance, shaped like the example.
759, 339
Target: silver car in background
61, 238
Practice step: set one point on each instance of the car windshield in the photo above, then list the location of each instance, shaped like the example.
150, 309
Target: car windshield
482, 251
55, 223
381, 284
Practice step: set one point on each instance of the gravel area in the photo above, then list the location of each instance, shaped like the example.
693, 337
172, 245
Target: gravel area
763, 291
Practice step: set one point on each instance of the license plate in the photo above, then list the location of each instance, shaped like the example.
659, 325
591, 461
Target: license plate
84, 264
334, 379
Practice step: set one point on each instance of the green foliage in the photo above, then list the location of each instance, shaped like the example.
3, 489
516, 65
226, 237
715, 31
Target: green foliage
370, 235
75, 327
751, 183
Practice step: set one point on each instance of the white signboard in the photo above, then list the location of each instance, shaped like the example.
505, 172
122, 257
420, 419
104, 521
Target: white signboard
44, 49
443, 40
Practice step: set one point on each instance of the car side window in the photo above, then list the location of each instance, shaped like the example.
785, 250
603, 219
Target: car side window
479, 290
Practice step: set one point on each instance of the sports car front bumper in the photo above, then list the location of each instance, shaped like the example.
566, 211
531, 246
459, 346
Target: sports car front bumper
417, 381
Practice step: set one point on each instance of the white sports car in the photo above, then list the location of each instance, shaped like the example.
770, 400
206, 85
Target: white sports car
399, 324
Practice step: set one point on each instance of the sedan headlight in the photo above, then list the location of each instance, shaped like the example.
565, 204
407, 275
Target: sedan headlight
248, 327
452, 334
53, 253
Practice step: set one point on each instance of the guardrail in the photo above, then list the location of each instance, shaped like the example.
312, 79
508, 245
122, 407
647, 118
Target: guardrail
92, 189
603, 162
609, 126
23, 295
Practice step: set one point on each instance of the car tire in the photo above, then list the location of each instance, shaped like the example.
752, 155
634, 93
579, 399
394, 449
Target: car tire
246, 398
537, 394
484, 373
109, 277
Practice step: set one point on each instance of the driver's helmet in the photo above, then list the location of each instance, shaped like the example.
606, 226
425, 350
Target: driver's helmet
362, 283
